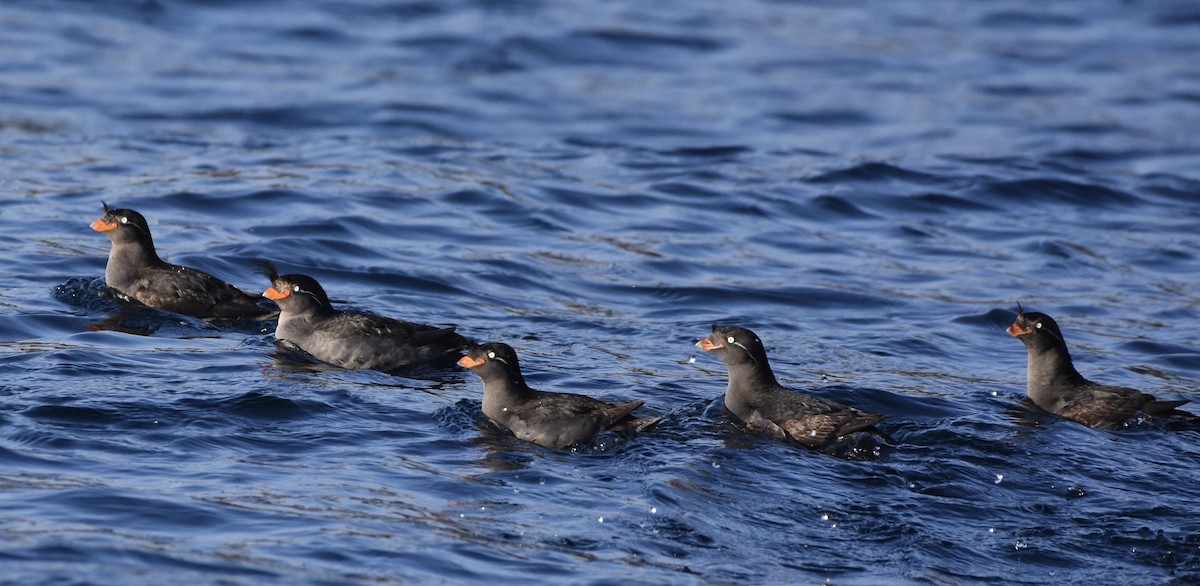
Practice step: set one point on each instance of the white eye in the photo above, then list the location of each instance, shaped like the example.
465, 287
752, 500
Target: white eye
1039, 325
730, 339
124, 220
296, 288
491, 353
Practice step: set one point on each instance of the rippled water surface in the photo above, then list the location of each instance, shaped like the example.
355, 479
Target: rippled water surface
871, 186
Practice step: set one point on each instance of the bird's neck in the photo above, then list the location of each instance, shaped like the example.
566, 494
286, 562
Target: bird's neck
126, 259
748, 377
501, 391
305, 314
1050, 370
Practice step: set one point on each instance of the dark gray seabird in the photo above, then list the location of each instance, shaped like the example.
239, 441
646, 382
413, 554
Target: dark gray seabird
764, 405
552, 420
136, 273
1054, 385
351, 339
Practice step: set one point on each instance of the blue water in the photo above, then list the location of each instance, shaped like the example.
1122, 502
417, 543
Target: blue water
871, 186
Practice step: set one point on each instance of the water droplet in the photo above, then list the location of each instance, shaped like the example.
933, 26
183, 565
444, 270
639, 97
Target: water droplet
653, 510
991, 530
825, 517
601, 519
691, 359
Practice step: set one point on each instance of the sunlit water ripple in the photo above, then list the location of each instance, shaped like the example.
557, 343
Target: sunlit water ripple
871, 187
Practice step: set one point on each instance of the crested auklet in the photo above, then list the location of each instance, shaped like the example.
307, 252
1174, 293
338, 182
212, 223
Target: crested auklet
352, 339
762, 404
136, 273
1054, 385
552, 420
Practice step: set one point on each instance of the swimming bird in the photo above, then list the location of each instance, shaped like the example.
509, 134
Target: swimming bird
762, 404
1054, 385
552, 420
352, 339
136, 273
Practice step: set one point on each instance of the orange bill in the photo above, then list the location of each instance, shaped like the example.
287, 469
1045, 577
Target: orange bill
1016, 330
274, 295
708, 345
468, 362
102, 226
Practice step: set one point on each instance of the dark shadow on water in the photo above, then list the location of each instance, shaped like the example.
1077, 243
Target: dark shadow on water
92, 296
289, 359
139, 322
261, 406
297, 362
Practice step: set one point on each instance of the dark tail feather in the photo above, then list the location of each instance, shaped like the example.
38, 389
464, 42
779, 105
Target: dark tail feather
860, 423
883, 435
1164, 408
640, 425
866, 424
616, 413
447, 337
627, 422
